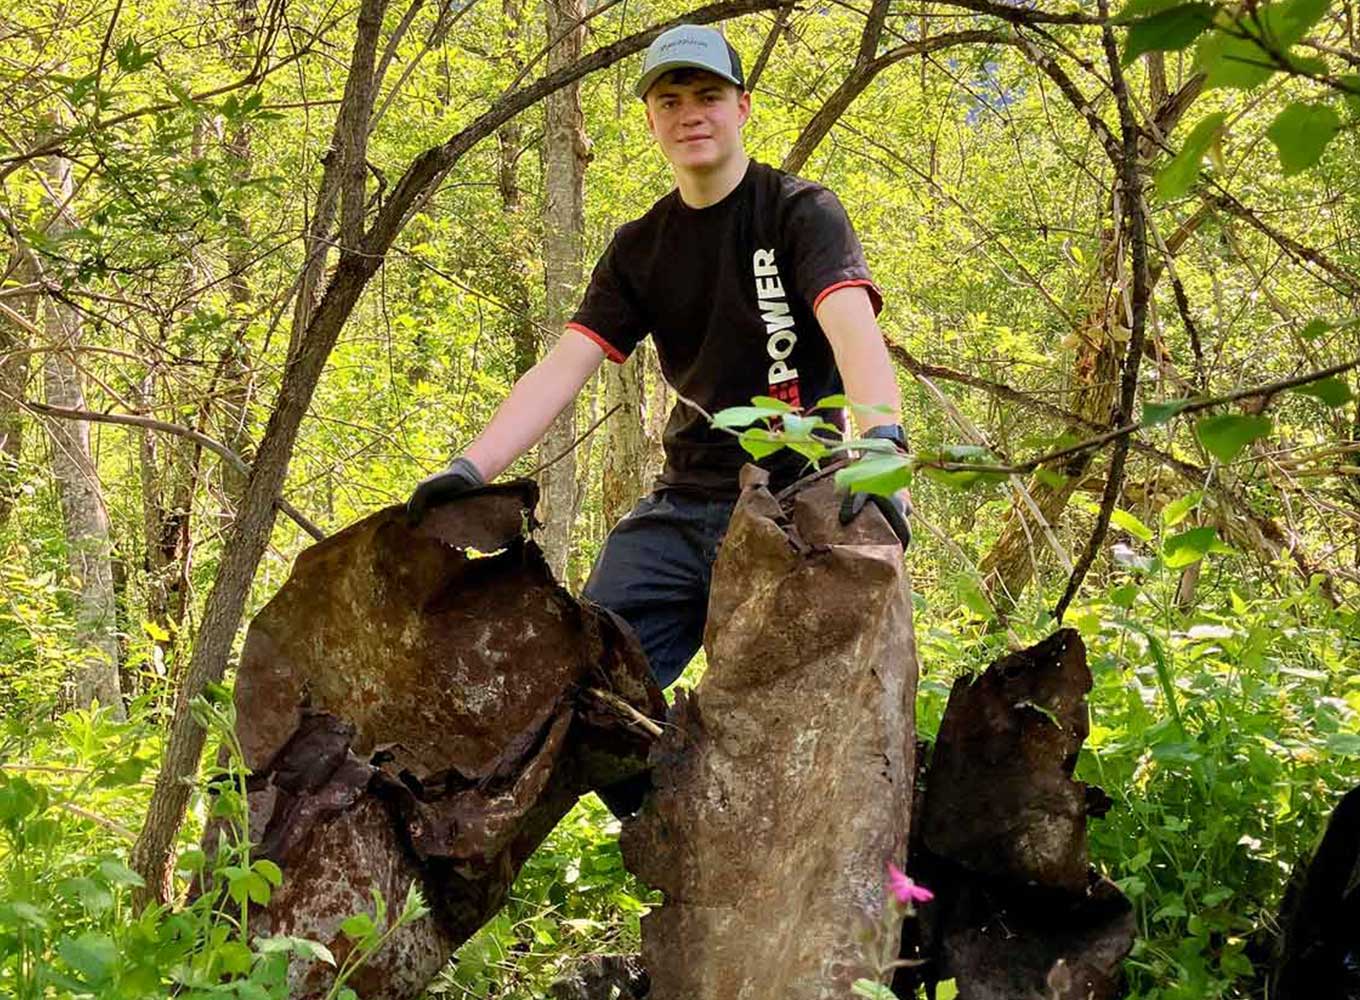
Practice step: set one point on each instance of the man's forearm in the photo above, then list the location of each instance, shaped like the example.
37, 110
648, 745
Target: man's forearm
870, 381
847, 317
541, 393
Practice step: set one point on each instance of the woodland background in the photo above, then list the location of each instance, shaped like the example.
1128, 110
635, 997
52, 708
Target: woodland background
298, 251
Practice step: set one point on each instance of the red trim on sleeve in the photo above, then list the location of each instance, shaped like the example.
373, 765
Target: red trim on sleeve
875, 296
610, 351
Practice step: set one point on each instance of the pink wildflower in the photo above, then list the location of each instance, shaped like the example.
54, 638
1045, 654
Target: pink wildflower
904, 889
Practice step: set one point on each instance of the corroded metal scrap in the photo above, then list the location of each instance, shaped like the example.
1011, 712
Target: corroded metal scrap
1001, 839
1000, 799
1315, 953
414, 707
783, 785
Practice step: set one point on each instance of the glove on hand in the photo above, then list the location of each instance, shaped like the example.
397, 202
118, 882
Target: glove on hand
894, 508
460, 477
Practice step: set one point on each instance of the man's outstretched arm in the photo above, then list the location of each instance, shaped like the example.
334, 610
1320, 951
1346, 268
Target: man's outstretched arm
847, 318
534, 403
541, 393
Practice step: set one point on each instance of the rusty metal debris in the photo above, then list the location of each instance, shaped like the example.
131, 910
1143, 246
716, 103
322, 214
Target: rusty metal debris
783, 786
1316, 953
412, 706
1001, 839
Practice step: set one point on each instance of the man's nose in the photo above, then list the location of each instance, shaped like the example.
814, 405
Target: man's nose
691, 113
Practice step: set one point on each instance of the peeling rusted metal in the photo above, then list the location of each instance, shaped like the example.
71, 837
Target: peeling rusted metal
412, 705
1315, 953
1000, 837
783, 785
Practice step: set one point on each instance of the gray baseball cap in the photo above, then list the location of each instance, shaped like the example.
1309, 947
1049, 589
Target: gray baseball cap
688, 46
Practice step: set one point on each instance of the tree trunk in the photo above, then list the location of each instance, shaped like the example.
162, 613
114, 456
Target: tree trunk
14, 338
510, 140
623, 462
84, 516
565, 156
657, 395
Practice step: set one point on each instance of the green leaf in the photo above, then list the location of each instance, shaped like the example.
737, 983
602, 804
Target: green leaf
1351, 81
882, 474
19, 914
1315, 329
92, 955
838, 401
234, 958
1051, 478
270, 871
971, 595
1136, 9
1301, 132
1180, 174
1188, 547
743, 416
19, 798
759, 442
1167, 30
1124, 597
94, 898
357, 927
118, 873
191, 860
414, 907
1332, 391
1229, 61
1344, 744
770, 403
1176, 511
1225, 435
1123, 519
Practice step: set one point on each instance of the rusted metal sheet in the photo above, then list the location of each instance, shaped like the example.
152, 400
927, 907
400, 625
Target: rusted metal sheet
1000, 799
783, 785
1316, 952
413, 706
1000, 837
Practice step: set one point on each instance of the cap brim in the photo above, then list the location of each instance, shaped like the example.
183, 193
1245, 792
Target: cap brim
656, 72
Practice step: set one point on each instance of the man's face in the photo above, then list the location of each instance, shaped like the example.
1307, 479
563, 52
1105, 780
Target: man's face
696, 118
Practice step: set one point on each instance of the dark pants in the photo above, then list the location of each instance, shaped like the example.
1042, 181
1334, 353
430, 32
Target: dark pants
654, 572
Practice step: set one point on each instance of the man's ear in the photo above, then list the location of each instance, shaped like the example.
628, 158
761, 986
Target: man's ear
651, 124
743, 108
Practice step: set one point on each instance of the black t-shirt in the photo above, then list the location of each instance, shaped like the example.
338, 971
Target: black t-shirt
728, 293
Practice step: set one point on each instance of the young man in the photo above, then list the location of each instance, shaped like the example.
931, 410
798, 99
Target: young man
751, 282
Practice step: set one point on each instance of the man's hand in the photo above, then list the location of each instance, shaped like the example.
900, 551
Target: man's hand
896, 508
460, 477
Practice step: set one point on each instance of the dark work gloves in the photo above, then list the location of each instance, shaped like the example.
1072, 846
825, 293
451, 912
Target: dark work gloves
460, 477
894, 508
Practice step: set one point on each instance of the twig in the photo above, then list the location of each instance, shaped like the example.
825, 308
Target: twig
1137, 225
627, 710
106, 823
148, 423
575, 444
1269, 389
